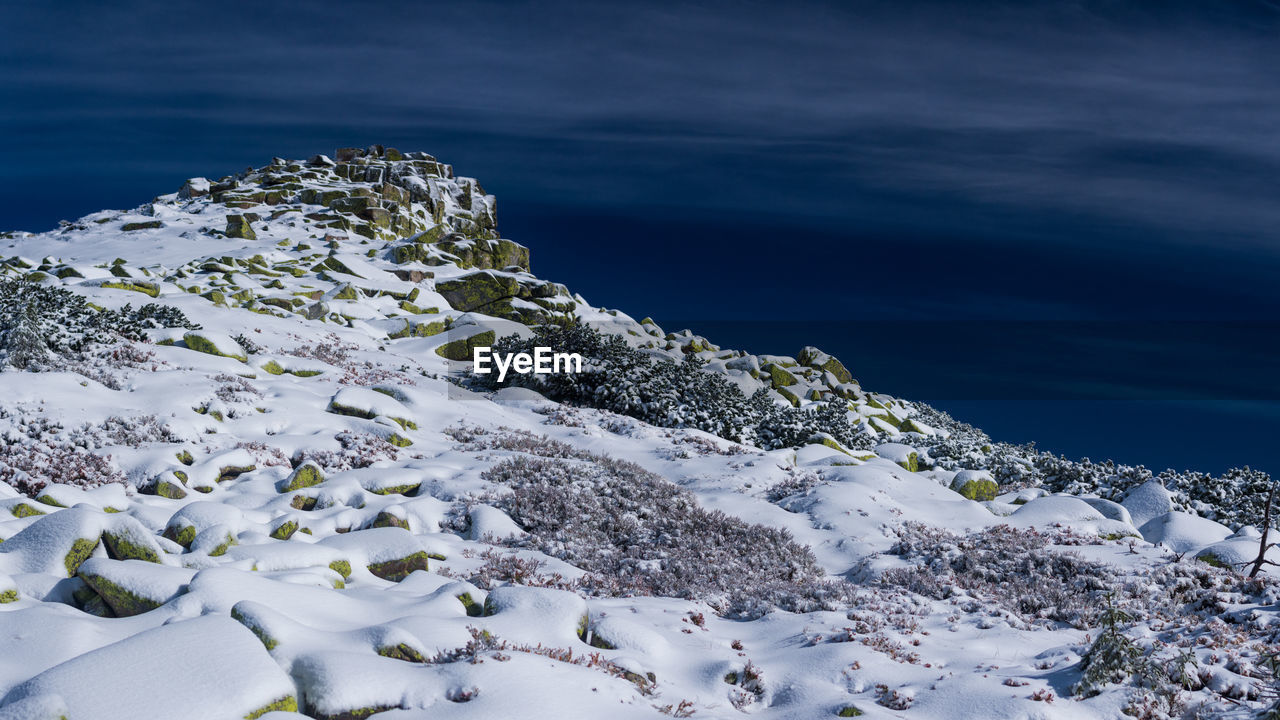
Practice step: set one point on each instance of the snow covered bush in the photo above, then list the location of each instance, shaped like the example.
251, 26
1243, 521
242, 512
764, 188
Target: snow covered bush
1002, 568
636, 533
355, 450
43, 326
663, 392
473, 439
35, 452
780, 426
795, 483
332, 350
1235, 498
622, 379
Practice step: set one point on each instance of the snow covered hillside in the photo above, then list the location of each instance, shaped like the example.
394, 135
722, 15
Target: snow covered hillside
248, 474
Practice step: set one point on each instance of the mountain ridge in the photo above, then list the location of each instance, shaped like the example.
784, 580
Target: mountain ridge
239, 429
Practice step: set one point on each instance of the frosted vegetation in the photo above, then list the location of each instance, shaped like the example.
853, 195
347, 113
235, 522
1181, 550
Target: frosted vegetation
242, 448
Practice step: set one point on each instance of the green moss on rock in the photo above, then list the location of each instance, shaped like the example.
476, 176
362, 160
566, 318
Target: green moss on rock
403, 652
912, 463
198, 342
477, 289
80, 551
978, 489
285, 530
23, 510
406, 489
790, 395
146, 288
288, 703
342, 567
303, 502
222, 547
255, 627
170, 490
238, 226
399, 569
463, 349
386, 519
473, 608
123, 602
306, 475
122, 547
778, 376
1210, 558
182, 535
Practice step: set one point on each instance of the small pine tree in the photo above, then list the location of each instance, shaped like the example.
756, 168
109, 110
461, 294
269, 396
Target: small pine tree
23, 344
1113, 658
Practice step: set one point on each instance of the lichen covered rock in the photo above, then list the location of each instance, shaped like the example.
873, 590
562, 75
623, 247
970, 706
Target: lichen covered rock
214, 344
975, 485
238, 226
476, 290
305, 475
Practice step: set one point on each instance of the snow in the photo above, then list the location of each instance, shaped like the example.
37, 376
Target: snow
263, 592
1148, 501
1068, 512
1182, 533
182, 669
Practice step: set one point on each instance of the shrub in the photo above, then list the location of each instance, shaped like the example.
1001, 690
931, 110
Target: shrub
1113, 658
667, 393
1012, 570
356, 450
634, 532
35, 452
43, 326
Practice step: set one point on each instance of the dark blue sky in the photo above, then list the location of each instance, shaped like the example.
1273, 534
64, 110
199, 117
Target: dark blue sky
1057, 219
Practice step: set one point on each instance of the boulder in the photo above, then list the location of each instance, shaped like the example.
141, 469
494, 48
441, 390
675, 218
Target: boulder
813, 357
975, 485
475, 290
1183, 532
214, 344
133, 587
305, 475
1147, 501
194, 662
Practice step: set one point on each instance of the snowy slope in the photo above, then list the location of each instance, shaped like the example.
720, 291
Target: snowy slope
291, 511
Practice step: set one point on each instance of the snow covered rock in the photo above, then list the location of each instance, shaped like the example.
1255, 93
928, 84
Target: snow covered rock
975, 485
490, 522
55, 544
904, 455
390, 553
1070, 512
214, 343
1182, 532
1110, 510
181, 670
563, 615
133, 587
1147, 501
306, 475
368, 404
